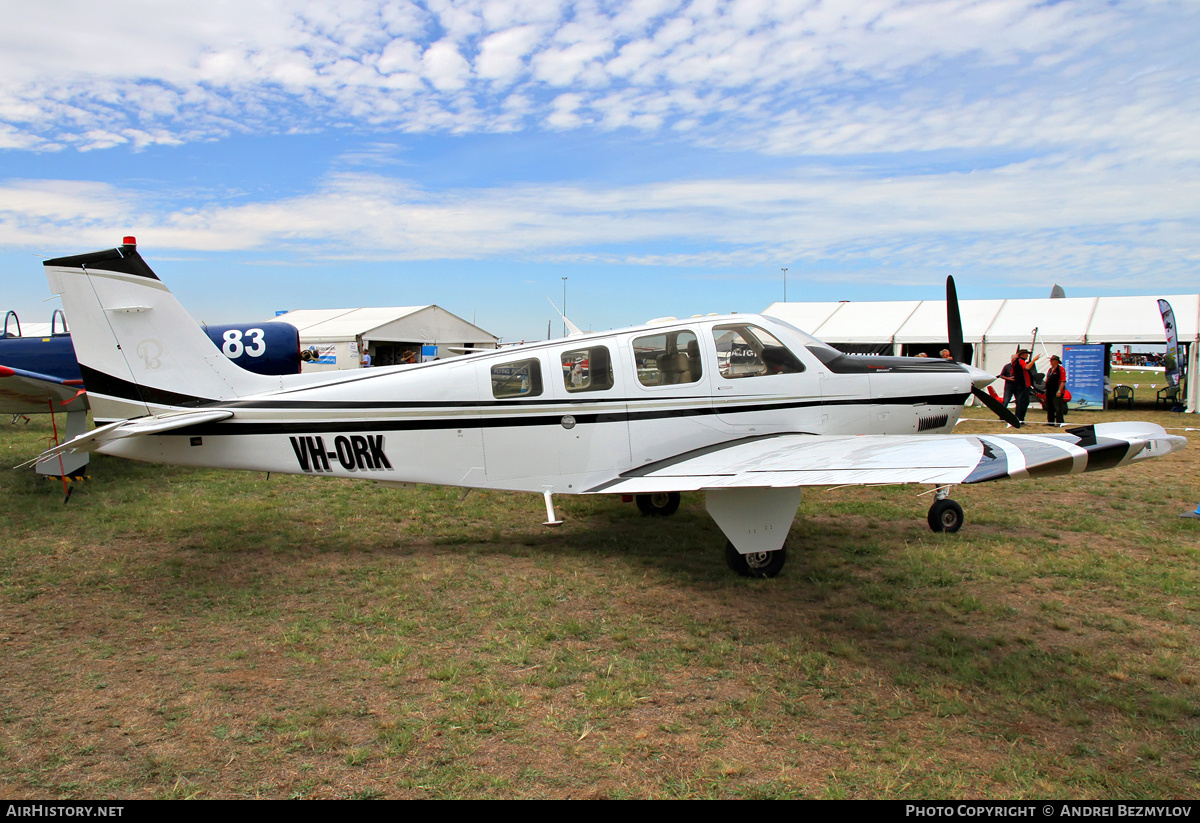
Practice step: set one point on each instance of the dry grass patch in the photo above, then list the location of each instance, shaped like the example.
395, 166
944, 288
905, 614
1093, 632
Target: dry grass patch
189, 633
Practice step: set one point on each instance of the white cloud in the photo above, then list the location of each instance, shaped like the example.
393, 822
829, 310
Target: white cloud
502, 55
563, 115
444, 67
1061, 131
499, 15
399, 55
558, 67
748, 67
1075, 222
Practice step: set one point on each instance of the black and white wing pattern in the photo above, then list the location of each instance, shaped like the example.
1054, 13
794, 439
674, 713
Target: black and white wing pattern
790, 460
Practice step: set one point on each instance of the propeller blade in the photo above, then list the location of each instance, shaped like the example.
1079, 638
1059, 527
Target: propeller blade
953, 321
957, 351
998, 408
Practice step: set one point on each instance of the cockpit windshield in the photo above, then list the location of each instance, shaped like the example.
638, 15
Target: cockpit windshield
749, 351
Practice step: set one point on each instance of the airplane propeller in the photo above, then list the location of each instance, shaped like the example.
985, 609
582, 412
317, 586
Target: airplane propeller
955, 332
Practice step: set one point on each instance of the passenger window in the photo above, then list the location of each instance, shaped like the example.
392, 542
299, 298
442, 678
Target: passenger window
668, 359
587, 369
522, 378
748, 351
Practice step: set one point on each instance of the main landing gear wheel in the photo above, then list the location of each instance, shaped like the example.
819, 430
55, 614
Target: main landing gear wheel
659, 504
755, 564
945, 516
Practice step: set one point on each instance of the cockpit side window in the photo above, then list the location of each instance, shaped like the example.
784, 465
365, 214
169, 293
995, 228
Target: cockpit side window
670, 358
587, 369
748, 351
521, 378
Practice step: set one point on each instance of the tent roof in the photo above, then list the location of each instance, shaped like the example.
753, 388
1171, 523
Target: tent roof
1118, 320
1063, 320
400, 324
345, 323
806, 316
857, 322
928, 323
35, 329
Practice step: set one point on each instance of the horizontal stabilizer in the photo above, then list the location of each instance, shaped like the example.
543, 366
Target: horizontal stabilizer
137, 427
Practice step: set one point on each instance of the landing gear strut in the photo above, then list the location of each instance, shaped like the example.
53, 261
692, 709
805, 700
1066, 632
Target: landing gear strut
659, 504
755, 564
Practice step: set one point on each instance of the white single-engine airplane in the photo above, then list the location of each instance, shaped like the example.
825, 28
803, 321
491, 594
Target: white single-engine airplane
745, 408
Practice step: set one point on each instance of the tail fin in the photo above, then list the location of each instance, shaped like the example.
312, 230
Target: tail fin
139, 350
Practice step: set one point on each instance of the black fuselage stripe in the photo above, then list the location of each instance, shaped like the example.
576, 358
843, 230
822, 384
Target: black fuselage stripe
102, 383
98, 382
548, 418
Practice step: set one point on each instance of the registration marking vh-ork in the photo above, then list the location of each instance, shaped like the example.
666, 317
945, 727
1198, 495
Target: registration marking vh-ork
354, 453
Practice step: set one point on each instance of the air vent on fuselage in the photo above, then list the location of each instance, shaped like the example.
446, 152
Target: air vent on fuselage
935, 421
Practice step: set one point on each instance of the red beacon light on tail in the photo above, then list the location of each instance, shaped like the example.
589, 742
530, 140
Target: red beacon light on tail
129, 240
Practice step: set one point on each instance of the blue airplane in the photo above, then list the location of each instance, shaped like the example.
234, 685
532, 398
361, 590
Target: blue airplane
39, 374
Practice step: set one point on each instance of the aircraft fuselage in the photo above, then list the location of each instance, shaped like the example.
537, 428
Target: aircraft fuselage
562, 415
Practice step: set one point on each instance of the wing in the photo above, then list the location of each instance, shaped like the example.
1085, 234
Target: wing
790, 460
27, 392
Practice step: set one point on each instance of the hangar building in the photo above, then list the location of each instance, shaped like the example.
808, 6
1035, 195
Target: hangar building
390, 335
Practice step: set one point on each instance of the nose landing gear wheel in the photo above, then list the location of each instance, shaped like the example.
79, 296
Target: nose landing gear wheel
659, 504
755, 564
945, 516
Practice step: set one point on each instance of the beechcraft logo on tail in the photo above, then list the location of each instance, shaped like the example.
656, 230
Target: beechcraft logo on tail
354, 453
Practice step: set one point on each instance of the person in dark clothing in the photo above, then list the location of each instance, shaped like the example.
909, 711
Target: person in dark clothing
1056, 387
1023, 382
1010, 382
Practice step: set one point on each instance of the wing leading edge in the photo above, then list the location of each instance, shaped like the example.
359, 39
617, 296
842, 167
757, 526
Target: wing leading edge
791, 460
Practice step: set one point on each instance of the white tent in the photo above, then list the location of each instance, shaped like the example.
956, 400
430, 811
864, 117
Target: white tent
994, 327
867, 322
387, 334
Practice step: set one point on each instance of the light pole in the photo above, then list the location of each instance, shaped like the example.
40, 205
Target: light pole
564, 307
784, 284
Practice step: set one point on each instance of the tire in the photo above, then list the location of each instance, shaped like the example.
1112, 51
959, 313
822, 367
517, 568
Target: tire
945, 516
659, 504
755, 564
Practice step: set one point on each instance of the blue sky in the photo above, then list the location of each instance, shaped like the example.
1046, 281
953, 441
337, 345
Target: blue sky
669, 158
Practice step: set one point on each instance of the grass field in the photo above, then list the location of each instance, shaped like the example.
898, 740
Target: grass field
178, 633
1144, 382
